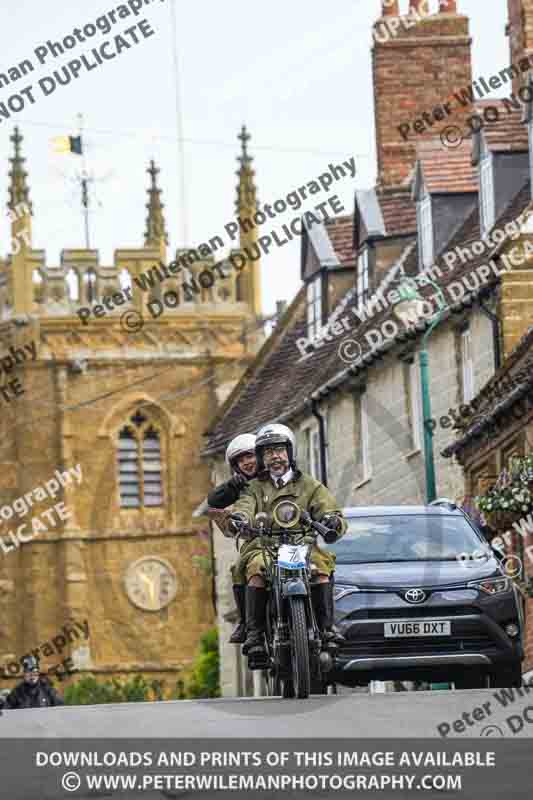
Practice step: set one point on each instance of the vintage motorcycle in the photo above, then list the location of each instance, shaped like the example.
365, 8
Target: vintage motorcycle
296, 658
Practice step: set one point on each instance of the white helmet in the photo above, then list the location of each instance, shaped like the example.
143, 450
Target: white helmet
244, 443
275, 433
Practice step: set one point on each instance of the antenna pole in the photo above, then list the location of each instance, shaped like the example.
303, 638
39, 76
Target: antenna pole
179, 121
84, 185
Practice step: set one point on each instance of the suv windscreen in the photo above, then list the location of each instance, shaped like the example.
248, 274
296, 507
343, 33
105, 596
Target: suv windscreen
406, 537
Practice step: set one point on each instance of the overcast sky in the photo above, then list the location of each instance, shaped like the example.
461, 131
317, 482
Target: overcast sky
298, 74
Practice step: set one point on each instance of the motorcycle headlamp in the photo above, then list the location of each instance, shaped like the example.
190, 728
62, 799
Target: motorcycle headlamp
491, 586
286, 514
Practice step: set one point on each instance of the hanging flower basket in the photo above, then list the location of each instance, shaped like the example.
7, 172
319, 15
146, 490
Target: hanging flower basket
511, 498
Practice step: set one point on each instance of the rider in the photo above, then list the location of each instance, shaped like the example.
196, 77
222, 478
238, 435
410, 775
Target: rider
279, 477
34, 691
240, 457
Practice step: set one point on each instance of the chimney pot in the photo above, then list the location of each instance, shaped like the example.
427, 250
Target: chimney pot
389, 8
420, 6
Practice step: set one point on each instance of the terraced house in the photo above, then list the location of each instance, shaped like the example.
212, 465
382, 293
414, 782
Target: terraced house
354, 398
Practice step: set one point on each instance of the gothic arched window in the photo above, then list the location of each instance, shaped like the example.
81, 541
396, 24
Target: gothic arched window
38, 286
73, 285
89, 280
139, 463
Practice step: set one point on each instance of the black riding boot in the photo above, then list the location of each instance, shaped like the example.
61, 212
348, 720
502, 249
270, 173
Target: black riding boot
323, 604
239, 633
256, 599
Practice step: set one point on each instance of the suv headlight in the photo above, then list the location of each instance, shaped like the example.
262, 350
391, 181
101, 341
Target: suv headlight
341, 591
492, 585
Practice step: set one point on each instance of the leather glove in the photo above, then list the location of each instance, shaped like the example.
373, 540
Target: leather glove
334, 523
237, 482
235, 517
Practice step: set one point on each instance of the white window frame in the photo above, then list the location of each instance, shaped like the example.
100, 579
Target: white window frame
365, 437
415, 401
363, 283
486, 189
467, 366
425, 230
311, 436
314, 306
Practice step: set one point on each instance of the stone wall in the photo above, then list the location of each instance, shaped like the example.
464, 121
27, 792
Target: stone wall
398, 469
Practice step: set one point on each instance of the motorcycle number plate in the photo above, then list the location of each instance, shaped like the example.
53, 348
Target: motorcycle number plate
292, 556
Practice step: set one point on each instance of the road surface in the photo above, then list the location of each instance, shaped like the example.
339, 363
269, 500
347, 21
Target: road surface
401, 714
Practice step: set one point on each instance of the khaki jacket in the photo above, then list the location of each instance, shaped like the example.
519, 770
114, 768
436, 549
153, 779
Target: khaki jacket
261, 495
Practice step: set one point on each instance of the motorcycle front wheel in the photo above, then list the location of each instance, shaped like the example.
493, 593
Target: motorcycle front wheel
301, 671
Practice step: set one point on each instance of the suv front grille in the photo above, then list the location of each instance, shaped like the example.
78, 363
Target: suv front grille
377, 646
413, 612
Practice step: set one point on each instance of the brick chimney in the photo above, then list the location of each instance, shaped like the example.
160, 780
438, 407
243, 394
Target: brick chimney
520, 32
419, 60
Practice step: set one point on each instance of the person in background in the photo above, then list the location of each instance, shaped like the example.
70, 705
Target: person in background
240, 457
34, 691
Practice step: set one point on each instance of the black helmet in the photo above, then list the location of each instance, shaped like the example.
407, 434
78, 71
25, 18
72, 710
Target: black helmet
30, 664
271, 434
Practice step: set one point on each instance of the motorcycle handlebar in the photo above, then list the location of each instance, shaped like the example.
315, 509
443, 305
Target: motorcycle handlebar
318, 527
246, 529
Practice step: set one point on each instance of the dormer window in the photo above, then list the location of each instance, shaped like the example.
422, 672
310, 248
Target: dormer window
486, 201
314, 306
362, 277
425, 231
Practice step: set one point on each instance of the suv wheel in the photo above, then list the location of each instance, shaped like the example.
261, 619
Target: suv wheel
507, 677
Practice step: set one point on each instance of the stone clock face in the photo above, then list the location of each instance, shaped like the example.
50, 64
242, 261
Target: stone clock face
151, 583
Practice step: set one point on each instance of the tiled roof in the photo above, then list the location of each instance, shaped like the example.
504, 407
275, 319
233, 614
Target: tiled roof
508, 133
447, 170
399, 212
279, 382
276, 382
499, 393
340, 232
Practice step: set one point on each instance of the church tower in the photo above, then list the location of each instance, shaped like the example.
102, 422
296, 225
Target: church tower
119, 368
